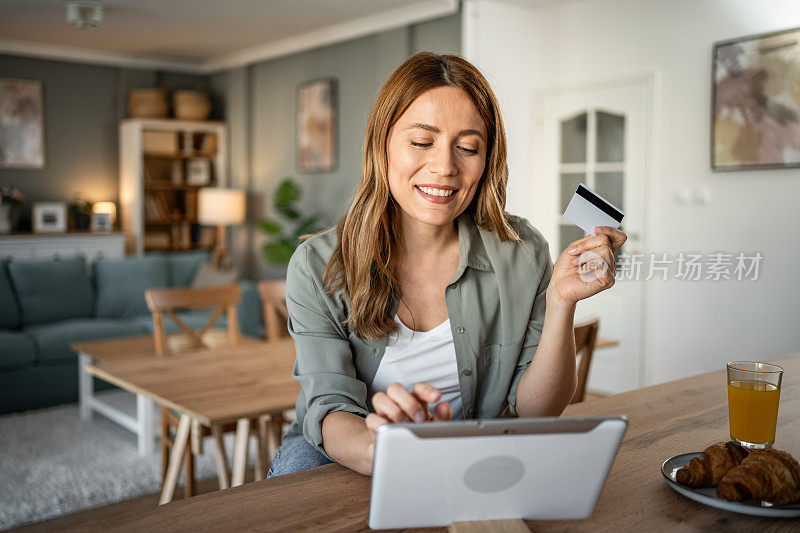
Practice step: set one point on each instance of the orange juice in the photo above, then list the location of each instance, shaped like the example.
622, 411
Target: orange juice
753, 411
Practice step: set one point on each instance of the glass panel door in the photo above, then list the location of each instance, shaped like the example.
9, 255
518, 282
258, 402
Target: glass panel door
592, 152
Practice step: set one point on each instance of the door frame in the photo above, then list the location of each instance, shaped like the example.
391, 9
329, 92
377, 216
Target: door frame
651, 82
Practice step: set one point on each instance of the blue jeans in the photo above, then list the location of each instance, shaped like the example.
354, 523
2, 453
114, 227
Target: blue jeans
295, 454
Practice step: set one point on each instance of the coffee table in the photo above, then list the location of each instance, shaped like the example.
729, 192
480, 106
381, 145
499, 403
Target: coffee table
212, 387
143, 422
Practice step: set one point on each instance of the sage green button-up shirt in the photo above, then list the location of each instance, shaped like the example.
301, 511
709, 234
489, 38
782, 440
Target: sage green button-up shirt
496, 305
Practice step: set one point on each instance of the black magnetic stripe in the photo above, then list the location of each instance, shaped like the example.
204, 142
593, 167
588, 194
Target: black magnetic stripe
599, 203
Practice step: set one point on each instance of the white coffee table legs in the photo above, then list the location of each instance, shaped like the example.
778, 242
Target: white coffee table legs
143, 424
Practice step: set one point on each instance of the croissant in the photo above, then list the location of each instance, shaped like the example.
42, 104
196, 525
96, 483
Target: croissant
708, 469
769, 475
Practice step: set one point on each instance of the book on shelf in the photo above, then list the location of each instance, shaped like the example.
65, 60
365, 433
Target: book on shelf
157, 208
156, 239
209, 144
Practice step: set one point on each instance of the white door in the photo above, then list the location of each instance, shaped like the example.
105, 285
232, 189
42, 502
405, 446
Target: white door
599, 135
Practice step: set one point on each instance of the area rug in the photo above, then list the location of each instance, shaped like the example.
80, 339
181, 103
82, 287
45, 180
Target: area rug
52, 463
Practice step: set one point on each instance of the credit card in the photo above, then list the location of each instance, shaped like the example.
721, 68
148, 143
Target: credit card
587, 210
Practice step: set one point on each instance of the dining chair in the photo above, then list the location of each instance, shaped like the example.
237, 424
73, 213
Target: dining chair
276, 315
273, 303
585, 339
167, 303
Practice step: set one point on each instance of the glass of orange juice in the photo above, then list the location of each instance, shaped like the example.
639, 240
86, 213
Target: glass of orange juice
754, 390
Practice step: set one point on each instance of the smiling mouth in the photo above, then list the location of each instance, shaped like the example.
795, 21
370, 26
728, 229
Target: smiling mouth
433, 191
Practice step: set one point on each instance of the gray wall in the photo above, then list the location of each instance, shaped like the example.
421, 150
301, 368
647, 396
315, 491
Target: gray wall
83, 105
260, 111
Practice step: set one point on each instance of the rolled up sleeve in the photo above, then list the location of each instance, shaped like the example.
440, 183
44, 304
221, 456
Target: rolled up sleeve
534, 331
324, 361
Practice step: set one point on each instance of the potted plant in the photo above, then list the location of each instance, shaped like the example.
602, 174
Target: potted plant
284, 232
10, 198
80, 213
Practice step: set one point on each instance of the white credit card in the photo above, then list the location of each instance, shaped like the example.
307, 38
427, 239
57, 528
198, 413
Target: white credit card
587, 210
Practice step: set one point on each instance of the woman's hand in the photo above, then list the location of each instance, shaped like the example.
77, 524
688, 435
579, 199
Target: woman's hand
398, 405
587, 266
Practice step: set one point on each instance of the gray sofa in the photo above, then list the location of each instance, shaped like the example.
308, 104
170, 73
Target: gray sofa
47, 305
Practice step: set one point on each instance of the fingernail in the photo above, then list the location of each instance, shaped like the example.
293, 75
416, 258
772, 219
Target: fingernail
419, 416
574, 260
573, 249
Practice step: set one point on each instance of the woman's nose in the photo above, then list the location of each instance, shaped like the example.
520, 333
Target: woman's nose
442, 161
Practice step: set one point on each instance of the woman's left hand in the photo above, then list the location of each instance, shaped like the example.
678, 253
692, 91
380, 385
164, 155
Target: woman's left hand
587, 266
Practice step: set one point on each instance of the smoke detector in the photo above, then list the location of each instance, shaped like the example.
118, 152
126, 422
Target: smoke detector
84, 13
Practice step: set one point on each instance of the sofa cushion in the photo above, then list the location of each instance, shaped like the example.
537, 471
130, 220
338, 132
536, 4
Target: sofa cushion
183, 266
16, 351
195, 319
53, 340
121, 284
52, 290
9, 308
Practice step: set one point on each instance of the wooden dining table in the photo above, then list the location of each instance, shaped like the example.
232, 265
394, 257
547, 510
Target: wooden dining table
664, 420
213, 387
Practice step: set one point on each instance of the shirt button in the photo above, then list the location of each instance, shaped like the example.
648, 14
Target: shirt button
460, 329
468, 372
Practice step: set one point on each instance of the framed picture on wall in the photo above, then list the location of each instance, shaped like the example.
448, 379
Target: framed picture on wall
317, 143
755, 120
21, 124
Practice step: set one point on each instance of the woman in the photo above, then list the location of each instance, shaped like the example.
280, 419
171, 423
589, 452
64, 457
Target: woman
429, 301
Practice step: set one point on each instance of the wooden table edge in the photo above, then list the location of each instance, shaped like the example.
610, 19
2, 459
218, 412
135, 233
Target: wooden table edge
98, 372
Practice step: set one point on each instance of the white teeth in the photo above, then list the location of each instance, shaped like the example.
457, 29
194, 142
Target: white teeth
435, 192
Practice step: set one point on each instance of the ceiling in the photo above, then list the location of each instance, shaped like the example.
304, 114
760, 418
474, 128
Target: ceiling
201, 35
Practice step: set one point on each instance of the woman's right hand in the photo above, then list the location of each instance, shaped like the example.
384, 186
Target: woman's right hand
398, 405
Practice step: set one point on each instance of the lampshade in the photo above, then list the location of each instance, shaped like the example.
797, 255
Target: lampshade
109, 208
218, 206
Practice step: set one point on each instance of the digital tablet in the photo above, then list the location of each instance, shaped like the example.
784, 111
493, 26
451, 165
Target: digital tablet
433, 474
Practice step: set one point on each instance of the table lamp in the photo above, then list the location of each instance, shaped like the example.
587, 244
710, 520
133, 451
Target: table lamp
220, 207
103, 215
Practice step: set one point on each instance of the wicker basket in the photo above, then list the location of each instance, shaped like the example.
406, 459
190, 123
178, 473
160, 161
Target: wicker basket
147, 103
191, 105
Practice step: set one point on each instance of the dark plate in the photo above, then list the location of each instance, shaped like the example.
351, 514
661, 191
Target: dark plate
708, 495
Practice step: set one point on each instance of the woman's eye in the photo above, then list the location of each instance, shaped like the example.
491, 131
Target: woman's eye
425, 145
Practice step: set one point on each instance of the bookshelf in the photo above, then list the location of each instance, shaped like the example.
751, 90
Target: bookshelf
163, 164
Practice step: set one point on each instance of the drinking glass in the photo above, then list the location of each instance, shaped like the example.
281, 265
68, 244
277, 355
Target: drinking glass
754, 390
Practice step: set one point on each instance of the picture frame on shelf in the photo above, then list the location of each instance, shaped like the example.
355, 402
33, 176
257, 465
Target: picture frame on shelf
198, 171
101, 223
49, 217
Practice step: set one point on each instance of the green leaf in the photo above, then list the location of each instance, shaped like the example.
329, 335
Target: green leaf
271, 227
288, 192
278, 253
309, 225
288, 212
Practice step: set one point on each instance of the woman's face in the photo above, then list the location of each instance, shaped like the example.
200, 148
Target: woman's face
436, 153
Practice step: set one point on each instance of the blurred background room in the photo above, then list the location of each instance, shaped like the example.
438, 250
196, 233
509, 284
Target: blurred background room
187, 144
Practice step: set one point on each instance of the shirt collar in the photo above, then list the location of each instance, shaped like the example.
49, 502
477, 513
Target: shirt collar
471, 251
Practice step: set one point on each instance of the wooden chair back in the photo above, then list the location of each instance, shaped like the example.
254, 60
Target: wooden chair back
218, 299
273, 302
585, 338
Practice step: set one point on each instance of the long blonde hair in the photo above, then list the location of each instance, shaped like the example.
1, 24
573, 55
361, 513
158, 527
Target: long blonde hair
368, 236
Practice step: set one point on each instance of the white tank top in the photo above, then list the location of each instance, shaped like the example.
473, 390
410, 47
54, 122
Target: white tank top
422, 356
